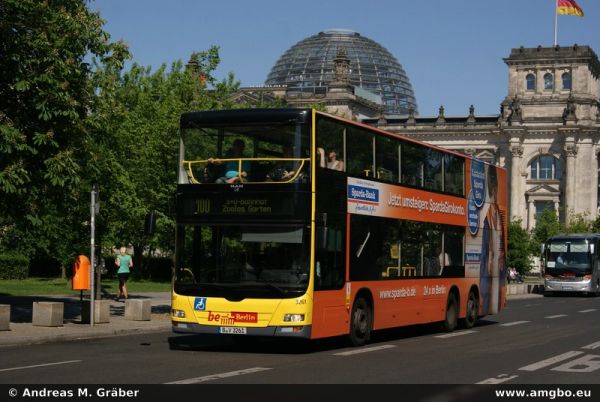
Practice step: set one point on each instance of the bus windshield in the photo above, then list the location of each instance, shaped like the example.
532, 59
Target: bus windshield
243, 261
568, 258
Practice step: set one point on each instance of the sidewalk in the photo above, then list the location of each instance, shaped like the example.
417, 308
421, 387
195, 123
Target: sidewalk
22, 331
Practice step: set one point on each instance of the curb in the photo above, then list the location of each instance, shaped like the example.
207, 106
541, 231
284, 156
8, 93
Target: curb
17, 338
524, 288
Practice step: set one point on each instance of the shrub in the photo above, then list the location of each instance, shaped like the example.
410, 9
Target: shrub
45, 267
159, 268
13, 266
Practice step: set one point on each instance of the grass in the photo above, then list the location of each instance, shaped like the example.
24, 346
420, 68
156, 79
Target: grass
58, 286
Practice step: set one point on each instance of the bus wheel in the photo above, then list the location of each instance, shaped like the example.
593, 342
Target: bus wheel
451, 313
360, 325
472, 311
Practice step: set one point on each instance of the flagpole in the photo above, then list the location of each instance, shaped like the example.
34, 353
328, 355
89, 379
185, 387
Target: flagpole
556, 23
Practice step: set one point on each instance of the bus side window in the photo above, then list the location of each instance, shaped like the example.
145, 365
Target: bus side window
329, 260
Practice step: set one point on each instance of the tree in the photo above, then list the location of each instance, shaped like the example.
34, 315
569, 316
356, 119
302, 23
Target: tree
136, 127
578, 223
595, 225
519, 248
546, 226
47, 94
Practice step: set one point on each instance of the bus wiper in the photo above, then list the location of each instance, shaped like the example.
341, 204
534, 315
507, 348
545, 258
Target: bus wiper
276, 288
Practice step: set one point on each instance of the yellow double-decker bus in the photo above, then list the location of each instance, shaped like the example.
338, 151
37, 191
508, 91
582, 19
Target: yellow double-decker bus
296, 223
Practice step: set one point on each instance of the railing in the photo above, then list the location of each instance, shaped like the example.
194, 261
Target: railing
190, 167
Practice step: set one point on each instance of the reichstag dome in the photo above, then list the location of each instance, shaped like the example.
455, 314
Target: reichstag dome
308, 65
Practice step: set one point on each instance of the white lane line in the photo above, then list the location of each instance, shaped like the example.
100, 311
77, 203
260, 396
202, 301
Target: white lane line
213, 377
40, 365
364, 350
453, 334
556, 316
592, 346
497, 380
587, 311
550, 361
510, 324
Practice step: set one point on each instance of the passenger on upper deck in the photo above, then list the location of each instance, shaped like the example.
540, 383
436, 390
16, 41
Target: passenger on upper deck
333, 162
283, 170
232, 175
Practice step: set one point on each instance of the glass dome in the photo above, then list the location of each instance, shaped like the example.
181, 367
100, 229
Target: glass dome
309, 63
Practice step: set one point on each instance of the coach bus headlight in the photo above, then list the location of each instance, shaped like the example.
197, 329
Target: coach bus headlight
587, 278
293, 317
178, 313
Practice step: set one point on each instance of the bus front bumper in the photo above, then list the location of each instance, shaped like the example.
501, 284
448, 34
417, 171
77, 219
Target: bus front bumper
298, 331
552, 285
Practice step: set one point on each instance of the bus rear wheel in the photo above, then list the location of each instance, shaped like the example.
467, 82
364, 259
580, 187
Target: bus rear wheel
360, 322
451, 313
472, 311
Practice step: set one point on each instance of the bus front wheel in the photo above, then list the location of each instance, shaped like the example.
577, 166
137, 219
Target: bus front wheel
360, 322
451, 313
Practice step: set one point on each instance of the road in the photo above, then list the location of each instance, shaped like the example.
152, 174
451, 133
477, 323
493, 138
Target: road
537, 340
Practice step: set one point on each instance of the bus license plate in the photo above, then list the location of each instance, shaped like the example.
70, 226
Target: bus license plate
232, 330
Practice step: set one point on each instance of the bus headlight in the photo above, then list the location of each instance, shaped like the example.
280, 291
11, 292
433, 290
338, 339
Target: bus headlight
178, 313
293, 317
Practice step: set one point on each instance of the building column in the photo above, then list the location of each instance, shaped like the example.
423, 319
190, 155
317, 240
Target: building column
530, 214
515, 180
571, 179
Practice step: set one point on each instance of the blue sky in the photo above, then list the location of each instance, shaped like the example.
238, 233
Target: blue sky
451, 50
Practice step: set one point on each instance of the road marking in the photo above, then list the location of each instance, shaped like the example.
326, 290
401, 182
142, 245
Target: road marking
594, 345
213, 377
587, 311
510, 324
364, 350
498, 380
585, 364
550, 361
556, 316
40, 365
453, 334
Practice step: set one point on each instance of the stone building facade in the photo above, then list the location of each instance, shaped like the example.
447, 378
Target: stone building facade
547, 133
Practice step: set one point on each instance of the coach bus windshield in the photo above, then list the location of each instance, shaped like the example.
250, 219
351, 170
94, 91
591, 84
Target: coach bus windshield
242, 261
261, 153
566, 257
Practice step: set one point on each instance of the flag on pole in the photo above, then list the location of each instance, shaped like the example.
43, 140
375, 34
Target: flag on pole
569, 7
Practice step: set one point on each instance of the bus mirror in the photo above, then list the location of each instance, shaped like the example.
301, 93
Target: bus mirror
150, 223
542, 248
591, 249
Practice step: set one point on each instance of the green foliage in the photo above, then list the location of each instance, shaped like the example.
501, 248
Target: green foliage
159, 269
13, 266
595, 225
578, 223
67, 124
47, 95
519, 249
136, 127
547, 225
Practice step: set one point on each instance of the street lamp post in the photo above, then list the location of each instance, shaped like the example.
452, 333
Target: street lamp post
94, 208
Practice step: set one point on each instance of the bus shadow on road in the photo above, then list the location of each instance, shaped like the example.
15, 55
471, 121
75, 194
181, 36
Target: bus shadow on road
253, 344
270, 345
